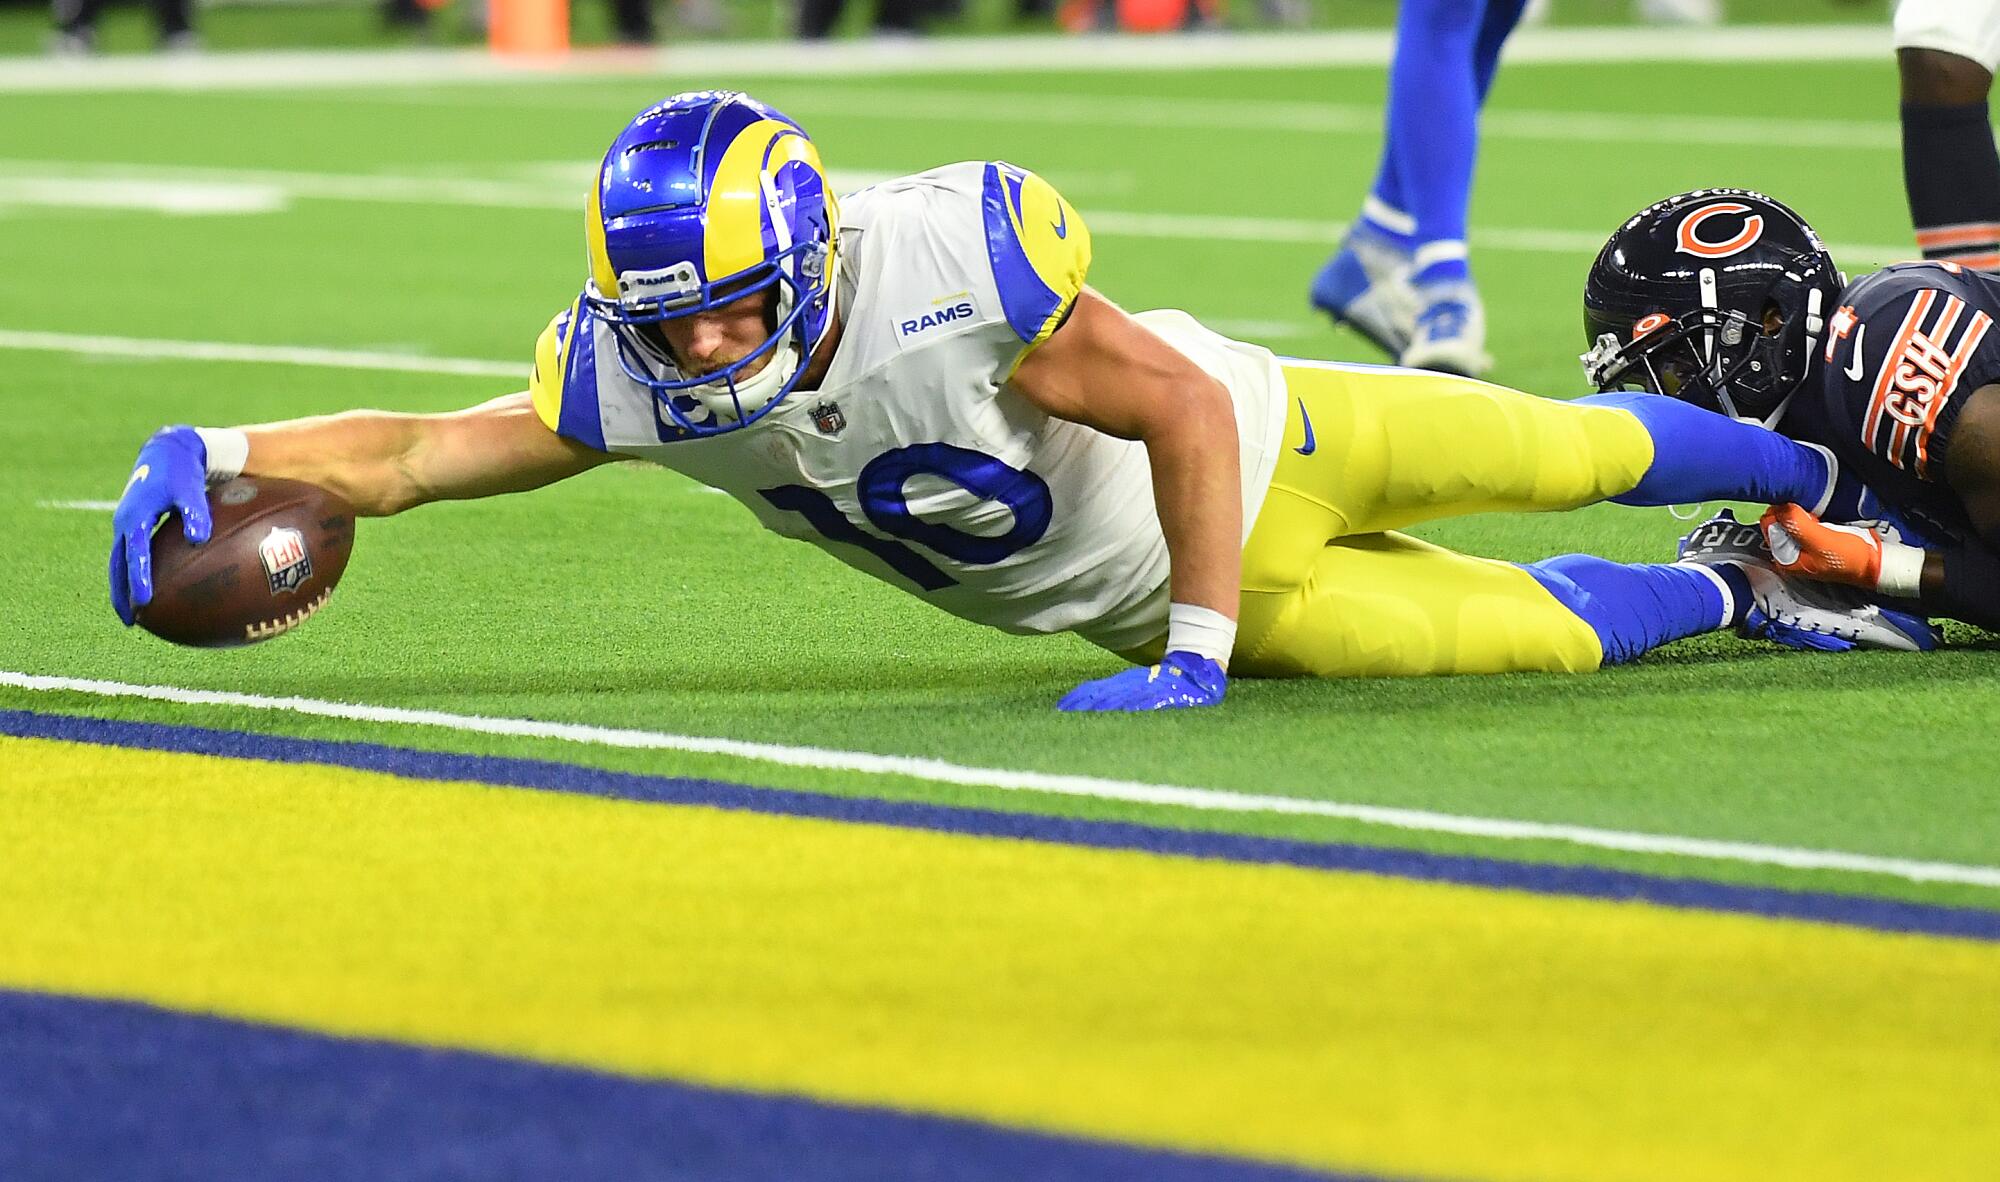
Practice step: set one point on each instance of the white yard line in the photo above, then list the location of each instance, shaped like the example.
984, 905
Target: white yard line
1007, 780
680, 66
80, 506
147, 349
422, 190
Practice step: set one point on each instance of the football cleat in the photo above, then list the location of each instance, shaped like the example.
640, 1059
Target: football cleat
1366, 285
704, 199
1450, 333
1796, 612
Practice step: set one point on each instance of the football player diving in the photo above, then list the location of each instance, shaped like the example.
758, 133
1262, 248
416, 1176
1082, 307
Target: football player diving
916, 379
1726, 299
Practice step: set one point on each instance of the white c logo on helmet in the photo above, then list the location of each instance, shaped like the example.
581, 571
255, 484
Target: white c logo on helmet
1692, 243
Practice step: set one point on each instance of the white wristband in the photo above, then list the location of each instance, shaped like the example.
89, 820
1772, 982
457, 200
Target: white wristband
1902, 571
228, 450
1202, 631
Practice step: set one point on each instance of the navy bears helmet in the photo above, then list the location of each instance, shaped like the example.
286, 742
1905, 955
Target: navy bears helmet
1718, 297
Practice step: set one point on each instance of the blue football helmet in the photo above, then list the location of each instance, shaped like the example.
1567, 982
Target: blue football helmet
703, 199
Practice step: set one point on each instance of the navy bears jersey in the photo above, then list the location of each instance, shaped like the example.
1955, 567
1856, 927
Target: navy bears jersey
1905, 348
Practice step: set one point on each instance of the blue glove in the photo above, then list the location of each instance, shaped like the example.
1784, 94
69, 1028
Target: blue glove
170, 475
1180, 679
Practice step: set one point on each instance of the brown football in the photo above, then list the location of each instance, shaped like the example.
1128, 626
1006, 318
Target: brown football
276, 551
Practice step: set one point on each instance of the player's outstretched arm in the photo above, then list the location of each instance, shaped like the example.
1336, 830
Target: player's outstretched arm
383, 463
1105, 370
378, 462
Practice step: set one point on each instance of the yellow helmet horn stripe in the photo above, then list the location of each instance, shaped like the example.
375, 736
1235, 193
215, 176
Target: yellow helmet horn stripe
601, 271
734, 241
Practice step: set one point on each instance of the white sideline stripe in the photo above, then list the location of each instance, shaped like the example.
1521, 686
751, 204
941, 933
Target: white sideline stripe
1112, 222
710, 62
940, 771
85, 506
101, 346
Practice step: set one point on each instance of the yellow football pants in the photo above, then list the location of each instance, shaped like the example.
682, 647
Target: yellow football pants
1331, 590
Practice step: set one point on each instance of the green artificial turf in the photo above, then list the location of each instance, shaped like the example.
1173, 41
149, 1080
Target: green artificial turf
628, 597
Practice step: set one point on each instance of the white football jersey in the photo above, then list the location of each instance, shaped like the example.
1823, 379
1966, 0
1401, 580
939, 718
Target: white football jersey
915, 461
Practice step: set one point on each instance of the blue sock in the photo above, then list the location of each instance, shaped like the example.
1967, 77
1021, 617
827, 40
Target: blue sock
1640, 607
1699, 455
1498, 21
1433, 130
1384, 212
1441, 262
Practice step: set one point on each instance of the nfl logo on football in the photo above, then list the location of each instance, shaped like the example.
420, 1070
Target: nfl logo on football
286, 562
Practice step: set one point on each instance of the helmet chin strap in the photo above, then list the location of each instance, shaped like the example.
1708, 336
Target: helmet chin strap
727, 399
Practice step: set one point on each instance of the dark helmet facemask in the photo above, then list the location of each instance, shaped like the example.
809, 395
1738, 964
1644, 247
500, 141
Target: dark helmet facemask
1716, 359
1718, 297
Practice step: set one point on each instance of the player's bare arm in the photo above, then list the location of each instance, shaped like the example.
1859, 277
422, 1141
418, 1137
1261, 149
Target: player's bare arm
377, 461
1965, 581
1105, 370
383, 463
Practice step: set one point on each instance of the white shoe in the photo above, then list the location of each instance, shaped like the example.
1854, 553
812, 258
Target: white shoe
1450, 332
1366, 286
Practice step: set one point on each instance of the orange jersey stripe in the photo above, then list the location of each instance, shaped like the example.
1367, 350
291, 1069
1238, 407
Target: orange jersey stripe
1967, 234
1878, 401
1960, 357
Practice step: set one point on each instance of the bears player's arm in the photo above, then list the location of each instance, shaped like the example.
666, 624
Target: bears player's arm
1103, 369
1963, 582
383, 463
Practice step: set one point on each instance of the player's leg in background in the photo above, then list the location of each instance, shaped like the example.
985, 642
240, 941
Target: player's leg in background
76, 27
174, 20
1366, 283
1946, 51
1402, 277
1452, 49
1441, 155
1389, 605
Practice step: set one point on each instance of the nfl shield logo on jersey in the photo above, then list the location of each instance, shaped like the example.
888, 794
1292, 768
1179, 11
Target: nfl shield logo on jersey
286, 562
829, 420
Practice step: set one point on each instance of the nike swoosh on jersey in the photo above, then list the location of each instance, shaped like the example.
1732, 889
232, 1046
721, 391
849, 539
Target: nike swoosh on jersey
1061, 223
1308, 446
138, 474
1856, 363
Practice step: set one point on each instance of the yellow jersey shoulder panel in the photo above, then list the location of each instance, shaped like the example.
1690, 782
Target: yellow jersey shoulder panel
1039, 248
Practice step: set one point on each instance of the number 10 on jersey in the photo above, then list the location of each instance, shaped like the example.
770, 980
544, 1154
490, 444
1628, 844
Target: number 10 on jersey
880, 488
